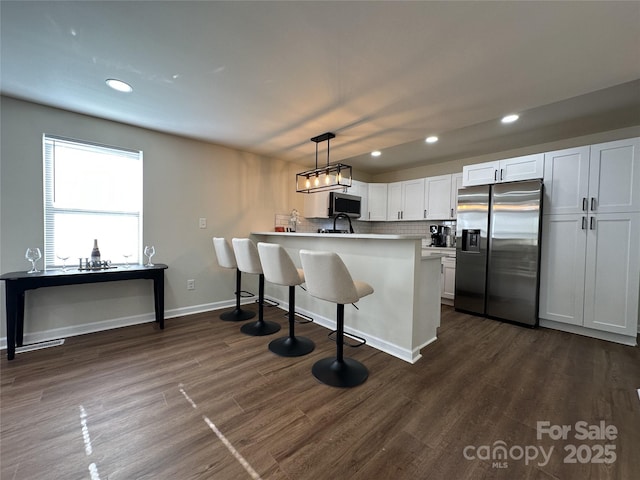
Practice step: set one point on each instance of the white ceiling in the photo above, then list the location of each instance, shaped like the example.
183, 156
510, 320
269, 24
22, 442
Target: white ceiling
267, 76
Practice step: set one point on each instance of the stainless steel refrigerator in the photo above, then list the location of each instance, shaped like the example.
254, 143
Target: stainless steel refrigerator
498, 251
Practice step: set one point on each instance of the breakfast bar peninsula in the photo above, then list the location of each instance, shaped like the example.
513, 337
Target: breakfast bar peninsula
402, 315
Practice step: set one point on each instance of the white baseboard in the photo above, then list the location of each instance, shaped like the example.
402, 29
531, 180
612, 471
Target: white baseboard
375, 342
75, 330
589, 332
72, 331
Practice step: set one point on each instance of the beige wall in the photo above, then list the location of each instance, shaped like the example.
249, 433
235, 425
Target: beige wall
455, 166
183, 180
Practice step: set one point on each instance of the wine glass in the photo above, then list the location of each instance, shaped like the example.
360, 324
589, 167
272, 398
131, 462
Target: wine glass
126, 259
64, 257
33, 255
149, 251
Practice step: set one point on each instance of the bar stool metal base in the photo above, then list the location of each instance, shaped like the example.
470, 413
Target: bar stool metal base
260, 328
237, 315
345, 373
291, 346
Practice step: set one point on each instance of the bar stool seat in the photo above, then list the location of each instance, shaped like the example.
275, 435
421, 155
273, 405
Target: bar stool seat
328, 278
279, 269
227, 259
248, 261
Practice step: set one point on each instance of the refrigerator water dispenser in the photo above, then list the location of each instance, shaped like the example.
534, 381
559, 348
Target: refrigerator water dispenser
471, 240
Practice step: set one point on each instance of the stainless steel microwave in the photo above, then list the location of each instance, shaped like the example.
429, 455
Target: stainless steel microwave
344, 203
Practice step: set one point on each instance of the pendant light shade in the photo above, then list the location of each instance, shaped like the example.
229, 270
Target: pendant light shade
332, 176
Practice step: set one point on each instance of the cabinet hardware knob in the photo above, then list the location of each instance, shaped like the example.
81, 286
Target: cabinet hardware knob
584, 204
584, 223
495, 175
592, 223
593, 204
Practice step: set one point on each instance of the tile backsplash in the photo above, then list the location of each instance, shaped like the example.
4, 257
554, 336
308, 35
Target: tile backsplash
311, 225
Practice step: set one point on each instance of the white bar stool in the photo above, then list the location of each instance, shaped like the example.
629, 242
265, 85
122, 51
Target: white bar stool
249, 262
226, 259
328, 278
279, 269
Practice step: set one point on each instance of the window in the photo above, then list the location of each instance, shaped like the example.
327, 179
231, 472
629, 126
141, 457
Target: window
91, 192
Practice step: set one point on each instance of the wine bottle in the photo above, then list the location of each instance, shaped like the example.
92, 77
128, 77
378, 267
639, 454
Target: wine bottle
95, 254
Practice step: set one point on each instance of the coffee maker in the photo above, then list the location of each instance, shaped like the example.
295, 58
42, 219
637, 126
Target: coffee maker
438, 235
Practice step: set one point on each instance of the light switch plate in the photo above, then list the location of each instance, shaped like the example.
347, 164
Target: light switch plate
203, 223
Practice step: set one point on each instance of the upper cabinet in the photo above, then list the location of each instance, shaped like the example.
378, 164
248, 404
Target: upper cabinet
412, 199
361, 189
456, 184
595, 179
431, 198
437, 198
614, 171
405, 200
394, 201
509, 170
566, 180
316, 205
377, 202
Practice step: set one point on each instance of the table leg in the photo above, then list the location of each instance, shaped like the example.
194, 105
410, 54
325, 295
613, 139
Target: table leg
15, 317
20, 319
158, 296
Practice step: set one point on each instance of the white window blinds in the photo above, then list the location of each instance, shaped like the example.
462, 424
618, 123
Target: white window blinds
91, 192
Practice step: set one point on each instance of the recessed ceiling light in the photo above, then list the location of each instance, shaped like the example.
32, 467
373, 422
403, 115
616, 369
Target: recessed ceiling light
510, 118
431, 139
376, 153
119, 85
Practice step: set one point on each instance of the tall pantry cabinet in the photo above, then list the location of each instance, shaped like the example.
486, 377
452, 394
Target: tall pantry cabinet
590, 266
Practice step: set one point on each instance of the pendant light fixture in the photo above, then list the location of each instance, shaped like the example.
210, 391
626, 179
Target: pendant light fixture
332, 176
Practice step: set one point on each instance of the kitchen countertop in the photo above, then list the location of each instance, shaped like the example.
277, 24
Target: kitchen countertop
360, 236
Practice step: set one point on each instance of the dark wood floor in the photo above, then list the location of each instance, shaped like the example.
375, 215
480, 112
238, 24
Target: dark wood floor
200, 400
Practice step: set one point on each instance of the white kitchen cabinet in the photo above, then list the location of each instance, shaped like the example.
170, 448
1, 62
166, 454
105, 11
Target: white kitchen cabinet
448, 278
514, 169
456, 184
362, 190
480, 173
589, 273
590, 260
612, 276
593, 179
377, 202
413, 199
437, 197
562, 268
614, 176
394, 201
316, 205
566, 181
405, 200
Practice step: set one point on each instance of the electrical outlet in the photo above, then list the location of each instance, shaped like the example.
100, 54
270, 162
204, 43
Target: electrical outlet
191, 284
203, 223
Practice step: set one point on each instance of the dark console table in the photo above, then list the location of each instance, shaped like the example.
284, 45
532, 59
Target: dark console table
17, 283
